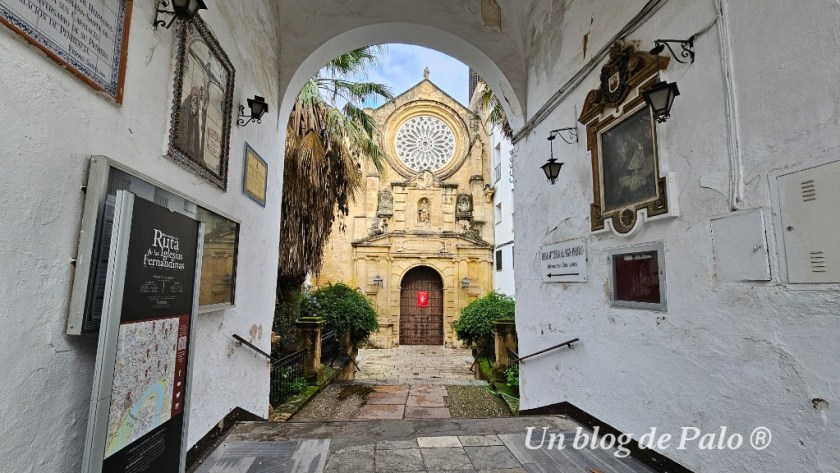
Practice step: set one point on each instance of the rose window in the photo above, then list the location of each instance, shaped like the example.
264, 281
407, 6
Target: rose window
425, 142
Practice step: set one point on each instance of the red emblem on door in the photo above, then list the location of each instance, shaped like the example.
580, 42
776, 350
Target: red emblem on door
422, 299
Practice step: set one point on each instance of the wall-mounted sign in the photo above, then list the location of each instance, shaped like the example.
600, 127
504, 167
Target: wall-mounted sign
422, 299
139, 405
88, 38
254, 176
564, 262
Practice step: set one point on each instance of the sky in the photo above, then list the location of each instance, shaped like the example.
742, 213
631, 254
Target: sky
402, 67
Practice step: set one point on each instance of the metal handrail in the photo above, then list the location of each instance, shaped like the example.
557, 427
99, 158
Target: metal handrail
568, 343
250, 345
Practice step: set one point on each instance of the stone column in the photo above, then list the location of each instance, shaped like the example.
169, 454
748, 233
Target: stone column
505, 338
309, 330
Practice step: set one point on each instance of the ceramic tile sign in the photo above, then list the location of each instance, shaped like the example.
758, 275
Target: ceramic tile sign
89, 38
564, 261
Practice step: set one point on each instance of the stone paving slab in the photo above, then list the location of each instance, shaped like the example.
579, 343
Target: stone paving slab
415, 364
465, 445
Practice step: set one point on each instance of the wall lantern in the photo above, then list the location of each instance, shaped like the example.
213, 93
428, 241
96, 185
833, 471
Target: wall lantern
660, 98
258, 108
378, 281
552, 167
465, 283
184, 9
687, 46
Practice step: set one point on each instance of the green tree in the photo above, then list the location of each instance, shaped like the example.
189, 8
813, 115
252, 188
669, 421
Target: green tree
343, 309
475, 326
492, 107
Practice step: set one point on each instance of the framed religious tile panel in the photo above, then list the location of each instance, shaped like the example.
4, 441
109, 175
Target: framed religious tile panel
199, 135
87, 38
254, 176
628, 185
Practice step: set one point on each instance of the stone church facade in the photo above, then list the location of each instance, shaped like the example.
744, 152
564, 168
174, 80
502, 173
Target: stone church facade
418, 241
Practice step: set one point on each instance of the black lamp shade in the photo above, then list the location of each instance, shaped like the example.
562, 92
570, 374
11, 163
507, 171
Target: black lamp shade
258, 107
660, 98
188, 8
552, 169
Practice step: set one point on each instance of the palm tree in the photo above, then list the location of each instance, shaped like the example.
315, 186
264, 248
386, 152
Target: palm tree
327, 135
491, 105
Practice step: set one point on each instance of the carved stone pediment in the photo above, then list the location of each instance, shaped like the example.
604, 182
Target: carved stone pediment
627, 69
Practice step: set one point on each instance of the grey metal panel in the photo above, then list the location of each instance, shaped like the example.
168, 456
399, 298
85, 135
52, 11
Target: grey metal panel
103, 379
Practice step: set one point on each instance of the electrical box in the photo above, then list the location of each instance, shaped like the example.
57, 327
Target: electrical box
809, 203
740, 247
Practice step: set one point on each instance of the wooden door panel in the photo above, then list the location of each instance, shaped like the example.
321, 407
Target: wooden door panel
421, 325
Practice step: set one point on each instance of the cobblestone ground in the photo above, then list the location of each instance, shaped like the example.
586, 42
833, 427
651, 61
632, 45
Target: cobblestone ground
416, 365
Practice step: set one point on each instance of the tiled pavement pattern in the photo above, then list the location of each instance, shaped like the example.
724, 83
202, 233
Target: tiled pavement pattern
405, 402
472, 445
415, 364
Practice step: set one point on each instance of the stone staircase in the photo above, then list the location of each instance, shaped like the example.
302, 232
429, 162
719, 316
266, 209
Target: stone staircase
408, 445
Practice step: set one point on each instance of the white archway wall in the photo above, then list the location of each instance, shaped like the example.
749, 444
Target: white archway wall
305, 66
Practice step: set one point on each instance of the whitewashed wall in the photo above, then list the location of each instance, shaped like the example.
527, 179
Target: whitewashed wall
740, 355
52, 123
503, 281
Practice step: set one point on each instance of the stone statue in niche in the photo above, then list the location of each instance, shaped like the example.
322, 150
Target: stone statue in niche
385, 205
424, 211
464, 206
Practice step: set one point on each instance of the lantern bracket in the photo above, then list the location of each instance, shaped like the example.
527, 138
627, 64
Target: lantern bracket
161, 8
570, 131
686, 52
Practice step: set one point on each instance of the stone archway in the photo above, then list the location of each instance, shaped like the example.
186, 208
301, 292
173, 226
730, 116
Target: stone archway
421, 307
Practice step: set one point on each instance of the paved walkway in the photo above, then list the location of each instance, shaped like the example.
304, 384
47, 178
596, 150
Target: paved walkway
415, 365
466, 445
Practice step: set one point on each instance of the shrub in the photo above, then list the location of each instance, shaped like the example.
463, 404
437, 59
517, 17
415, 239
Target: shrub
512, 376
343, 309
475, 326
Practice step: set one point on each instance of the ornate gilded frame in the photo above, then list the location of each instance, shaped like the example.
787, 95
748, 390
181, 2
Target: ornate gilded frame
627, 70
174, 151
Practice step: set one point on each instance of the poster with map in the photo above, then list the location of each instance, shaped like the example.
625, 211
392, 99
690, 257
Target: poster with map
140, 417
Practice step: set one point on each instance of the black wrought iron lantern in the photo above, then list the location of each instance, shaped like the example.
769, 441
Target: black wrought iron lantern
660, 98
552, 167
185, 9
258, 108
378, 281
465, 283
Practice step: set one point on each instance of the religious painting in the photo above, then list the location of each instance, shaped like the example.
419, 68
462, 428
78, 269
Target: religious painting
203, 100
628, 161
621, 139
255, 176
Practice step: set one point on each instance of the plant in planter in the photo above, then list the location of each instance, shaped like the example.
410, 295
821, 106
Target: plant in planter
344, 309
475, 326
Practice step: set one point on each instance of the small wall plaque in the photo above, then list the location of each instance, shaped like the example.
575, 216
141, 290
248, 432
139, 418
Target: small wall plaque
564, 262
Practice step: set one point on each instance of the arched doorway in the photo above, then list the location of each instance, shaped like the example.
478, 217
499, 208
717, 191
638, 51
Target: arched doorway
421, 307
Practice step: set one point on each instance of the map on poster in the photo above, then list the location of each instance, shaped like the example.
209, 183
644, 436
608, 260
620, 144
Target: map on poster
144, 380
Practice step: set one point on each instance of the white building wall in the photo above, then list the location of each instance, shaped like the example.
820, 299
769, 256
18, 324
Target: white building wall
740, 355
501, 148
52, 123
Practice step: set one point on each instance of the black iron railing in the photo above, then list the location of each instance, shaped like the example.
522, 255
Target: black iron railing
512, 359
330, 348
242, 341
569, 344
287, 378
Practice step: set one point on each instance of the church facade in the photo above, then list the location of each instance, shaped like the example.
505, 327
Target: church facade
419, 239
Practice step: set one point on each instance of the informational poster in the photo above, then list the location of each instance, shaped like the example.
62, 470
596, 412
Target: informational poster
422, 299
139, 422
87, 37
564, 261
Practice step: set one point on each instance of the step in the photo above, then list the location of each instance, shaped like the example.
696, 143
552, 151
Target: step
464, 445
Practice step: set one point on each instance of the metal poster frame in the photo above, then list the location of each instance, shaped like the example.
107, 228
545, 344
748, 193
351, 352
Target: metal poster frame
103, 377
